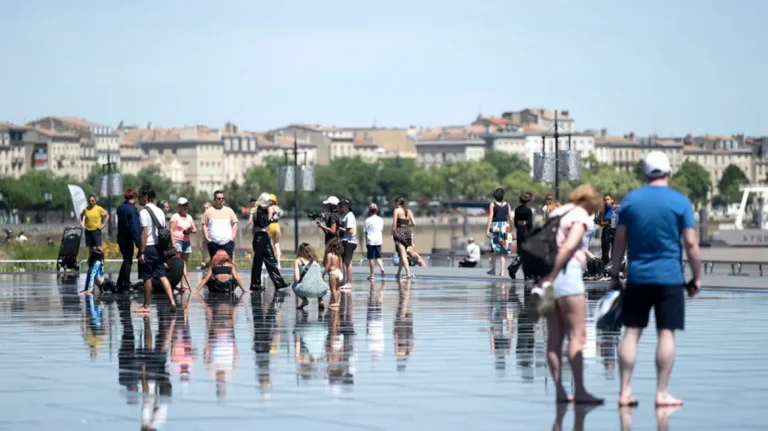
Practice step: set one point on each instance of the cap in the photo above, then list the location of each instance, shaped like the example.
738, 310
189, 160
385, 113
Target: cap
345, 202
656, 165
332, 200
373, 207
182, 201
273, 198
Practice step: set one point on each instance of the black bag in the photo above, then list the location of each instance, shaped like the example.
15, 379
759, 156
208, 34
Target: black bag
539, 251
513, 267
164, 243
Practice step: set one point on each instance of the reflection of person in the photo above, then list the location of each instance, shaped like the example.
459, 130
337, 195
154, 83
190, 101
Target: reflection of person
500, 331
567, 318
92, 220
374, 328
473, 255
155, 377
403, 327
264, 323
127, 357
220, 354
94, 325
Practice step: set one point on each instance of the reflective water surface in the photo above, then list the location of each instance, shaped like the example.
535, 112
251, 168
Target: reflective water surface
413, 355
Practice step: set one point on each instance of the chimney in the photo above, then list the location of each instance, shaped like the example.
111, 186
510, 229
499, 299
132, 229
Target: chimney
603, 132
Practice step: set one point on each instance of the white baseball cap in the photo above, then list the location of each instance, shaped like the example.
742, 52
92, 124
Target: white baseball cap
182, 201
656, 165
332, 200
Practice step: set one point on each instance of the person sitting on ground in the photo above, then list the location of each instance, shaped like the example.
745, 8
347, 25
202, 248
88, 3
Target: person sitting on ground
222, 275
473, 255
176, 272
333, 264
96, 274
308, 277
595, 268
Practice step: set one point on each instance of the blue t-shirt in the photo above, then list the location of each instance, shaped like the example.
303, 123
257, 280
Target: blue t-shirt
608, 214
655, 217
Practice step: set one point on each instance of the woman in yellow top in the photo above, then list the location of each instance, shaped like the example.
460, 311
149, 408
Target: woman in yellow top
274, 228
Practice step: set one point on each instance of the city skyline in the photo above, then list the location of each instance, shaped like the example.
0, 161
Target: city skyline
668, 69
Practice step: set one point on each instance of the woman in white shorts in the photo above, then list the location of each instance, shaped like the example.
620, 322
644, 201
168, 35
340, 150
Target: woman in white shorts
567, 317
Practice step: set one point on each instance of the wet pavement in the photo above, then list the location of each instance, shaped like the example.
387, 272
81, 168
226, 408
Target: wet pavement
420, 355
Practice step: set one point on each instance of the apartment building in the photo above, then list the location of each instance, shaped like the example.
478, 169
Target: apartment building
436, 147
12, 152
243, 150
63, 152
543, 119
624, 152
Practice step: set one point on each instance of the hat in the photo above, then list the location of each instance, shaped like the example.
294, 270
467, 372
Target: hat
345, 202
373, 207
273, 198
182, 201
332, 200
656, 165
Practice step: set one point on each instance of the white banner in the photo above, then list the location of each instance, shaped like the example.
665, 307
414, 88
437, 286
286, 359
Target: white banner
79, 202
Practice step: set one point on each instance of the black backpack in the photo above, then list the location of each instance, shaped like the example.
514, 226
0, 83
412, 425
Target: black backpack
164, 243
539, 251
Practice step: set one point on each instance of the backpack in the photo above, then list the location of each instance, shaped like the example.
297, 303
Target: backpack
539, 251
164, 243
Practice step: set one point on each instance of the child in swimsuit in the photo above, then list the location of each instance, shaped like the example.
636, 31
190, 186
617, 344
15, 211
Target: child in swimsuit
333, 263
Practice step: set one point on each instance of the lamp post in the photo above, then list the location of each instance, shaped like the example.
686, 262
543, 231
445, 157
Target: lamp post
48, 198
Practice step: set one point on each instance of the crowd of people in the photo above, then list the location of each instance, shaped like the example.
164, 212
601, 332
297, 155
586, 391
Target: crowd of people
641, 239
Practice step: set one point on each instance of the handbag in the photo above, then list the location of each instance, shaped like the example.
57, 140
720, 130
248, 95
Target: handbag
608, 316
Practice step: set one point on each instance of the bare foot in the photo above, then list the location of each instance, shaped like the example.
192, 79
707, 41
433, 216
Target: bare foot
144, 309
320, 307
370, 278
303, 304
86, 292
666, 400
587, 398
627, 400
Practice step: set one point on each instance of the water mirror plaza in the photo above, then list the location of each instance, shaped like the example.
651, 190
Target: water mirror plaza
410, 355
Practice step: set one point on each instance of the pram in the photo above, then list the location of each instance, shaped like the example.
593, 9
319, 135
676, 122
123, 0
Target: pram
70, 247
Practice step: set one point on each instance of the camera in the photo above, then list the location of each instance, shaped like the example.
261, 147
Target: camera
315, 216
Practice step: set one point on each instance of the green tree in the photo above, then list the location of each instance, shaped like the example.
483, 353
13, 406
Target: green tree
506, 163
471, 180
729, 183
693, 178
639, 171
519, 182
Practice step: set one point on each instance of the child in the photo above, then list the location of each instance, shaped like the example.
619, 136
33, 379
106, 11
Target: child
96, 274
332, 262
308, 277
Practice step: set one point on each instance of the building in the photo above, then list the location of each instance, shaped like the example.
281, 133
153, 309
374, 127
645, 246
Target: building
624, 152
13, 162
436, 147
542, 118
243, 150
63, 153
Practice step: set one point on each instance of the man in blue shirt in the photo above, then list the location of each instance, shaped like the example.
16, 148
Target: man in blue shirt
651, 221
128, 236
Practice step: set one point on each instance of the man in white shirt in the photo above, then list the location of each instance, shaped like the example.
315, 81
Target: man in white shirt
348, 234
220, 226
151, 260
473, 255
374, 237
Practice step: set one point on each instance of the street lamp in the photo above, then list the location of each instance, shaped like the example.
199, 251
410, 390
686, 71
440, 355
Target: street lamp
48, 198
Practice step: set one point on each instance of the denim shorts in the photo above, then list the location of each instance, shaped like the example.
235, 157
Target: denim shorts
184, 247
570, 281
153, 267
374, 252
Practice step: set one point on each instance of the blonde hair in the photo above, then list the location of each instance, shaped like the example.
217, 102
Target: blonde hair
307, 252
587, 196
263, 200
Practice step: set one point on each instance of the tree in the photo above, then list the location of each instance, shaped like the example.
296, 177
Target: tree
639, 171
729, 183
471, 180
693, 178
519, 182
506, 163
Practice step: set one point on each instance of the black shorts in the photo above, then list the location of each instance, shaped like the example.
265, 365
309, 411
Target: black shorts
349, 251
228, 247
93, 238
153, 267
668, 303
374, 252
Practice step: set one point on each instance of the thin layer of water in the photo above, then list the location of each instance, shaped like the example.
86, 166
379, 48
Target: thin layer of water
395, 356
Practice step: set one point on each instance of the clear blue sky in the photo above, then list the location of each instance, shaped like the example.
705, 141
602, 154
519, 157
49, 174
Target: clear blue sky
666, 66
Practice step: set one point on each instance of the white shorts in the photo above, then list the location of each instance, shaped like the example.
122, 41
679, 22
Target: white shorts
339, 275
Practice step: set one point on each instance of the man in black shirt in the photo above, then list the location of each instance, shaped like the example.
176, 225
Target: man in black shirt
331, 219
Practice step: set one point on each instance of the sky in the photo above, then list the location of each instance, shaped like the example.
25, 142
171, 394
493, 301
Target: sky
668, 67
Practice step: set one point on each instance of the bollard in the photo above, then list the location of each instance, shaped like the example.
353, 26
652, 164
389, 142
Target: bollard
703, 228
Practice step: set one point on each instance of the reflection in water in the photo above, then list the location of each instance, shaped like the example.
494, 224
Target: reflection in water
374, 322
265, 338
156, 385
501, 322
525, 350
309, 344
220, 355
93, 325
183, 353
70, 301
127, 358
579, 415
339, 345
403, 327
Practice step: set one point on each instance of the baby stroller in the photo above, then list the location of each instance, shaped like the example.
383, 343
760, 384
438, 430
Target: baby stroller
70, 246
